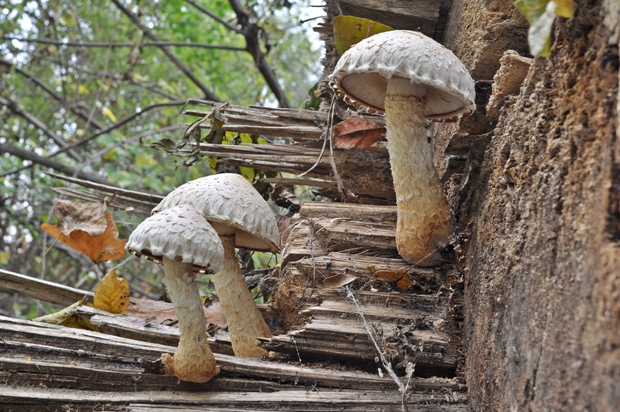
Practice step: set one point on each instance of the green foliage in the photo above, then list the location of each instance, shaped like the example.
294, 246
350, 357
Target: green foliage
541, 15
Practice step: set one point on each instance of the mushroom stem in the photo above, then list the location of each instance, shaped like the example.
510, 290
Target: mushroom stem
245, 322
424, 217
193, 360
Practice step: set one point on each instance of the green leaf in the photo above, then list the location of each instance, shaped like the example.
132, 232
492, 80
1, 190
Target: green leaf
541, 15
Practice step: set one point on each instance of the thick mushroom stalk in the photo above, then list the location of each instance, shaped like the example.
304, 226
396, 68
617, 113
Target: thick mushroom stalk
424, 216
245, 322
184, 242
242, 219
411, 78
193, 360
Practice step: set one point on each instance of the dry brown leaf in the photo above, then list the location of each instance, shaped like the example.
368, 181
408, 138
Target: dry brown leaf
356, 133
399, 277
105, 246
112, 294
87, 217
338, 281
163, 311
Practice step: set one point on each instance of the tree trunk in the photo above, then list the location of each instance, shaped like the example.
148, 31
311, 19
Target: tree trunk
539, 216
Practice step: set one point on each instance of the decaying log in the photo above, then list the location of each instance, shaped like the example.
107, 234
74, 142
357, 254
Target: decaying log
40, 289
302, 126
407, 309
364, 172
44, 366
401, 323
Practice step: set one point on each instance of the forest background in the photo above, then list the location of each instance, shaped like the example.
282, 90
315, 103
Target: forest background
90, 90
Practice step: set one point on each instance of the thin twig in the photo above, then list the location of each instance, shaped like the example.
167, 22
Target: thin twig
145, 30
122, 44
386, 364
330, 134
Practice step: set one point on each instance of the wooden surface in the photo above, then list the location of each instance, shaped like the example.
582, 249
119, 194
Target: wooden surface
44, 366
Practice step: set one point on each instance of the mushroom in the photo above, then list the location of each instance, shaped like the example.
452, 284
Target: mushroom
411, 78
242, 219
184, 242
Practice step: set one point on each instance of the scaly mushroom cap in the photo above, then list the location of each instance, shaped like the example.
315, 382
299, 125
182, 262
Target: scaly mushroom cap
362, 73
180, 233
228, 199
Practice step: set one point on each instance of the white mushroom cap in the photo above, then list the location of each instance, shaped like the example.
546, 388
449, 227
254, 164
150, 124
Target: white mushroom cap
228, 199
179, 233
362, 73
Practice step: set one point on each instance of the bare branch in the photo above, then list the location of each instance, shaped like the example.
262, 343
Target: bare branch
214, 17
208, 93
17, 109
102, 132
77, 110
52, 164
251, 31
113, 45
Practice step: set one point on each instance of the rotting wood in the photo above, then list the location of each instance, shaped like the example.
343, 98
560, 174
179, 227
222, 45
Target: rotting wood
38, 398
357, 241
365, 173
49, 365
40, 289
335, 332
303, 126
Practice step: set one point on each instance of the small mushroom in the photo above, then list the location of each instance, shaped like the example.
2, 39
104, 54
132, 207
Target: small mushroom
411, 78
242, 219
184, 242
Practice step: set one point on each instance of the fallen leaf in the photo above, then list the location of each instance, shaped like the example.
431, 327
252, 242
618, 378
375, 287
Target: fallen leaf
105, 246
67, 317
112, 294
349, 30
87, 217
338, 281
356, 133
161, 311
399, 277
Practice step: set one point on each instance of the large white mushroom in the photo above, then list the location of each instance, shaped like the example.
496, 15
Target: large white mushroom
411, 78
184, 242
242, 219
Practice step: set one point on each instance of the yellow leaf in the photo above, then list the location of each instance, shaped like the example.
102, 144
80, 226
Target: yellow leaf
67, 317
564, 8
212, 162
349, 30
144, 160
112, 294
108, 113
247, 172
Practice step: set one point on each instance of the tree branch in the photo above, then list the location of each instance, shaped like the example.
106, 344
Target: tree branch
208, 93
78, 111
52, 164
113, 45
215, 17
250, 32
17, 109
102, 132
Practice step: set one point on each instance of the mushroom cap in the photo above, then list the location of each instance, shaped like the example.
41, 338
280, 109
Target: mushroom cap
179, 233
363, 71
227, 199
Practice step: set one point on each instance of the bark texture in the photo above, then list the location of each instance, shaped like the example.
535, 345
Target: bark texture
539, 220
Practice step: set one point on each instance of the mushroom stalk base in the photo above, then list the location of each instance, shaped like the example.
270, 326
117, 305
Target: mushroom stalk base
424, 221
193, 360
245, 322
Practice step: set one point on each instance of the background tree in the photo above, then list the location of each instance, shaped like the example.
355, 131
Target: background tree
82, 82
